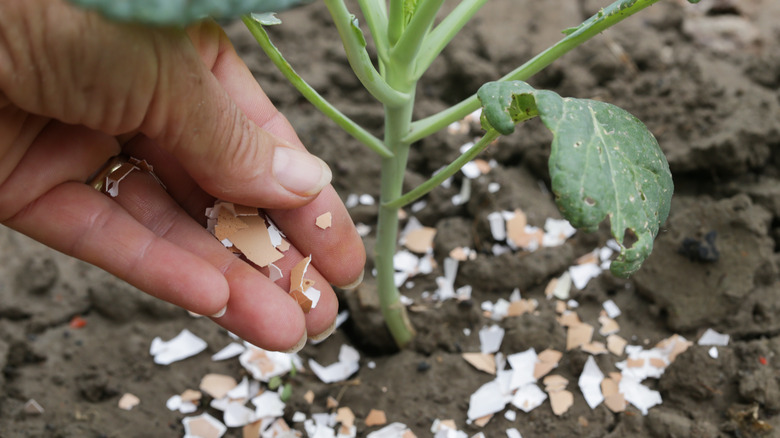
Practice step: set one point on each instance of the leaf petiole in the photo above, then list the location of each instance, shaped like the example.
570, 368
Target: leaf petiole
445, 173
310, 93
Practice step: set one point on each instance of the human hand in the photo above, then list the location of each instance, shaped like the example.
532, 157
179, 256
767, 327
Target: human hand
76, 89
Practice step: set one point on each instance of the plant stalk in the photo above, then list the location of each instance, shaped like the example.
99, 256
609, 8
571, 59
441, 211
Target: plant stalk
397, 122
392, 176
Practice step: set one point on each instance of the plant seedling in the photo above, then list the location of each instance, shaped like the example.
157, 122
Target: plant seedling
604, 162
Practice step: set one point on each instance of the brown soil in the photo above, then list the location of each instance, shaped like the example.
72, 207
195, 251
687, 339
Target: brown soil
703, 78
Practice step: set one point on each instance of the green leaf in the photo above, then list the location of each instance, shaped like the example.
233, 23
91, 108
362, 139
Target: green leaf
274, 383
505, 104
182, 12
286, 392
604, 163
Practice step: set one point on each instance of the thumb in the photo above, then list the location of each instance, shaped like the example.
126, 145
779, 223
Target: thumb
76, 67
194, 118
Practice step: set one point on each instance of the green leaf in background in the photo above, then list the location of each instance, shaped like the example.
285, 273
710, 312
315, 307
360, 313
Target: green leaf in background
604, 163
182, 12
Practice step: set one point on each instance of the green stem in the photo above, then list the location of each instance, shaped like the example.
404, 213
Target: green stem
395, 21
376, 19
445, 173
408, 46
397, 122
444, 32
310, 93
355, 48
606, 18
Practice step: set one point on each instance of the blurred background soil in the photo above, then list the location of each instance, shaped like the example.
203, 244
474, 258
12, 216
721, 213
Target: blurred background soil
704, 78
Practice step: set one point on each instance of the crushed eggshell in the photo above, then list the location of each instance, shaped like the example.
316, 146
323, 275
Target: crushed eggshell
490, 338
128, 401
613, 399
522, 235
546, 361
217, 385
578, 335
420, 240
523, 366
252, 430
303, 301
559, 287
32, 407
184, 345
582, 274
616, 344
376, 417
612, 309
569, 319
238, 415
711, 337
264, 365
254, 241
481, 361
488, 399
595, 348
608, 325
268, 404
297, 273
393, 430
561, 401
555, 382
482, 421
528, 397
345, 416
228, 352
347, 365
590, 383
521, 307
203, 426
177, 403
325, 220
642, 397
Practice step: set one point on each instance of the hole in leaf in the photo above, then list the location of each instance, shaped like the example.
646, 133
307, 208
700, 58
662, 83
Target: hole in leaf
629, 238
590, 202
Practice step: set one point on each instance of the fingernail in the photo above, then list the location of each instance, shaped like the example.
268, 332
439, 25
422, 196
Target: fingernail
299, 346
355, 283
299, 171
220, 314
328, 331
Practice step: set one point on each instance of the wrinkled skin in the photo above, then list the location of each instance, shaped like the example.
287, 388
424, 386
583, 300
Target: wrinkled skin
76, 89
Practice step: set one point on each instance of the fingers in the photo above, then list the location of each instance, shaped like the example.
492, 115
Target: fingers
337, 252
257, 309
152, 81
80, 221
326, 270
58, 153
